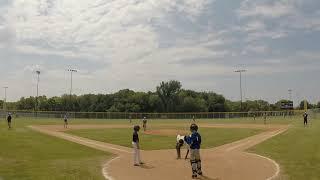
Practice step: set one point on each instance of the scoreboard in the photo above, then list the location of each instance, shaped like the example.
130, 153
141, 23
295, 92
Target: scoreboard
287, 105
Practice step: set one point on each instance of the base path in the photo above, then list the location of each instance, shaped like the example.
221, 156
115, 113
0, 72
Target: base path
226, 162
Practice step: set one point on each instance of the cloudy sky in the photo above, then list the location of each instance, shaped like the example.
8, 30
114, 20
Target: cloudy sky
136, 44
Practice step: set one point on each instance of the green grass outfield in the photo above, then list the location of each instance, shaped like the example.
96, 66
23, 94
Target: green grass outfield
211, 137
297, 151
29, 155
248, 120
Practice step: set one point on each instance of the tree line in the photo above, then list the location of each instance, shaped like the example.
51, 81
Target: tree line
168, 97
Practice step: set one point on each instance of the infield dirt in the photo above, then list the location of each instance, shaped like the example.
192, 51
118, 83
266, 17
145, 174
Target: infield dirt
226, 162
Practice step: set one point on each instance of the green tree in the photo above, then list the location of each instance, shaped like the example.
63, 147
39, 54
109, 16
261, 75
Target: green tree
216, 102
191, 104
309, 105
167, 91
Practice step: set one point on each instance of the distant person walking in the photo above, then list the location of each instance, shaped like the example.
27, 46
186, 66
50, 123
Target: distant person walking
65, 118
9, 119
305, 119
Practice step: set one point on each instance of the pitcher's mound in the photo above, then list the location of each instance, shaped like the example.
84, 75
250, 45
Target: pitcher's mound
167, 132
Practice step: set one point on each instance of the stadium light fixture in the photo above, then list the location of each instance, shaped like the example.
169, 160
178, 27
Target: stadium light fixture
240, 71
71, 72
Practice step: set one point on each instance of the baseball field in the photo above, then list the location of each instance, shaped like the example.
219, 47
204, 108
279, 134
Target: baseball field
101, 149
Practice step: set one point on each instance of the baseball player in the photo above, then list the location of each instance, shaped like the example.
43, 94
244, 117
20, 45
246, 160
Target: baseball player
144, 123
305, 119
180, 142
9, 118
136, 147
65, 118
194, 141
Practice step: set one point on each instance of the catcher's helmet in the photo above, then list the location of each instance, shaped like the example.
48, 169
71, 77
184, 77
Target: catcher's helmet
136, 127
193, 127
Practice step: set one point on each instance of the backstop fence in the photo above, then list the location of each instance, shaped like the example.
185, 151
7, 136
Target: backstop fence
128, 115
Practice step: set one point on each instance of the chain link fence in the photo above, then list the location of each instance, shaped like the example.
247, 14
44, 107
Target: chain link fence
129, 115
314, 113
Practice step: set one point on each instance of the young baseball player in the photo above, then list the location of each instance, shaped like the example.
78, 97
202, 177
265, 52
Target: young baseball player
194, 141
305, 119
9, 118
65, 118
136, 147
179, 144
144, 123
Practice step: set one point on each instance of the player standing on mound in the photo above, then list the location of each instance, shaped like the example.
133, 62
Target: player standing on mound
136, 146
9, 118
144, 123
305, 119
194, 141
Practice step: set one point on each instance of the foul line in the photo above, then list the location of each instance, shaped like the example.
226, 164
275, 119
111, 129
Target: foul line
77, 139
85, 141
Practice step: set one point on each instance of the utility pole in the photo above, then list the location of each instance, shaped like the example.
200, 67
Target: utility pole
5, 99
38, 79
71, 72
240, 71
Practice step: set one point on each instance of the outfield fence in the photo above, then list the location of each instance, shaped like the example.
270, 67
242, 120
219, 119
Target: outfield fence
128, 115
314, 113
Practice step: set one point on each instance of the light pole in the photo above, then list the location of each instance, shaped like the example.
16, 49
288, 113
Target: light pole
38, 79
240, 71
71, 72
290, 94
5, 99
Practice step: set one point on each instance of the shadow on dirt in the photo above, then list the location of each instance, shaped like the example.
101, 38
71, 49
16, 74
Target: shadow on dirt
207, 178
144, 166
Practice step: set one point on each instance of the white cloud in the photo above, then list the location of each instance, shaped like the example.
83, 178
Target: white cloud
269, 9
138, 43
96, 28
259, 49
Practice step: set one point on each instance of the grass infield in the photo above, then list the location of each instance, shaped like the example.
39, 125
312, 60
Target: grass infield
211, 137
